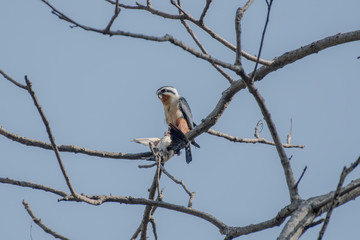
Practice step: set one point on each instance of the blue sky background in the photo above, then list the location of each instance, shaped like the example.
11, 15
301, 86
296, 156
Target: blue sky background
98, 92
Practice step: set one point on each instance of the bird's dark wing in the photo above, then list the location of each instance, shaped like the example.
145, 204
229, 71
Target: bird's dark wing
179, 141
185, 109
178, 138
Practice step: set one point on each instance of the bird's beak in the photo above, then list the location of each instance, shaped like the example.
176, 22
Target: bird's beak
160, 96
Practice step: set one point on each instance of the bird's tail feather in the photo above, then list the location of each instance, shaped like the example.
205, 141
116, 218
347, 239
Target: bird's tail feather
188, 153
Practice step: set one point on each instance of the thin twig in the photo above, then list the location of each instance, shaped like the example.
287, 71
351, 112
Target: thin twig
158, 160
239, 15
191, 194
206, 8
153, 224
288, 139
51, 137
344, 173
136, 233
313, 224
202, 48
148, 166
301, 176
256, 133
116, 13
12, 80
41, 224
250, 140
262, 39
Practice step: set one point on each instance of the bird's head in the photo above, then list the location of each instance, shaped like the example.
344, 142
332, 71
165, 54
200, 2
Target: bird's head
167, 93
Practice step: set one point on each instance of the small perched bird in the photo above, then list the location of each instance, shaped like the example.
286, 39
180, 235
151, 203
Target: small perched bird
177, 113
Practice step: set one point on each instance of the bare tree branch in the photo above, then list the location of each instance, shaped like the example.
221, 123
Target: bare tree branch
249, 81
165, 38
33, 186
148, 208
51, 137
304, 51
73, 148
279, 62
262, 38
153, 224
344, 173
41, 224
202, 48
206, 8
116, 13
288, 139
315, 206
249, 140
191, 194
12, 80
301, 176
199, 24
238, 16
293, 191
347, 193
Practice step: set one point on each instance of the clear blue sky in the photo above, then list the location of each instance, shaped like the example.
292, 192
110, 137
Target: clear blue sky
98, 92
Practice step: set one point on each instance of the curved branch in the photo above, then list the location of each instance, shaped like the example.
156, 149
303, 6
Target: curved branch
41, 224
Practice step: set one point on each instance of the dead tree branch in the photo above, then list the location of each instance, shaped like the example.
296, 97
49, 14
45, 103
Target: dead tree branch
12, 80
249, 140
344, 173
73, 148
41, 224
198, 23
319, 204
191, 194
51, 137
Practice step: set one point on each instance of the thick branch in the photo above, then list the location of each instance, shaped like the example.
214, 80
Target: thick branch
314, 207
314, 47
